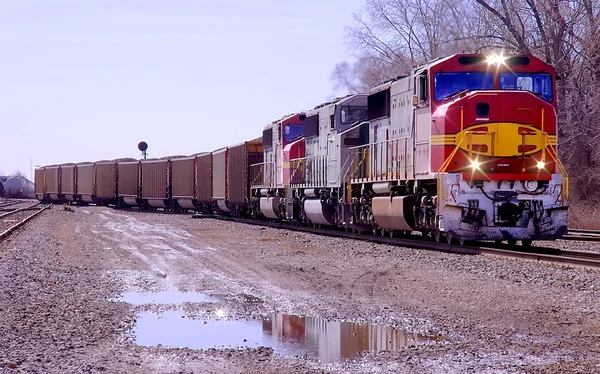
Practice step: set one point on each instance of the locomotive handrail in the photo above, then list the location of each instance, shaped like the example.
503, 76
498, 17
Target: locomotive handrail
364, 156
297, 162
444, 166
390, 166
557, 161
257, 175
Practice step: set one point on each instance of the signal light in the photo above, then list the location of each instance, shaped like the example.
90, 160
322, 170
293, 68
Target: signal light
475, 164
541, 165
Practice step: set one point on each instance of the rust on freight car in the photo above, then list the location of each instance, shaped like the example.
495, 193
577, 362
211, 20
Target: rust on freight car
183, 182
238, 179
204, 190
129, 182
106, 181
67, 181
85, 182
182, 177
53, 182
219, 174
40, 183
155, 179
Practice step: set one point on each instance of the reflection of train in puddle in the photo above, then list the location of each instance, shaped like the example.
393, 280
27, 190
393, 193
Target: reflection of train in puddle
331, 341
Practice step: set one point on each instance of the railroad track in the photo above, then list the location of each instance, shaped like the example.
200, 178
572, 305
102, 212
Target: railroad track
583, 235
12, 220
9, 202
537, 254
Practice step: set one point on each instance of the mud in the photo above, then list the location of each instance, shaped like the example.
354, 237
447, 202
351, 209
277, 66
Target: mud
65, 278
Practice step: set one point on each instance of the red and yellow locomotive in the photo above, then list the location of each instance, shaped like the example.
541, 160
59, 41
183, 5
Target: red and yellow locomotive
466, 150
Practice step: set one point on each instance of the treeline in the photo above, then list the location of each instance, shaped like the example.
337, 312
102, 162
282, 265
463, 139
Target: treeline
389, 37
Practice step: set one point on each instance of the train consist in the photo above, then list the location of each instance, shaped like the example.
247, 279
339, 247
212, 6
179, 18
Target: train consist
463, 148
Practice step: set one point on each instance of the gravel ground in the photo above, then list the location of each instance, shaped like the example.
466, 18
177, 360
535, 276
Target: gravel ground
61, 278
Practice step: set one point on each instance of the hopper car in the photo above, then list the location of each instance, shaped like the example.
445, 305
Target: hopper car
462, 148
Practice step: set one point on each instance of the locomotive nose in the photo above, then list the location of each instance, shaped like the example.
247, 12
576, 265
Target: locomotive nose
499, 132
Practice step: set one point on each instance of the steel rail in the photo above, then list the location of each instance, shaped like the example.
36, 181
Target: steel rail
582, 231
19, 210
536, 254
5, 203
10, 230
582, 235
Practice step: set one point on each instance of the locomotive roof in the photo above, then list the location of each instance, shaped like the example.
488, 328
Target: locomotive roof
283, 118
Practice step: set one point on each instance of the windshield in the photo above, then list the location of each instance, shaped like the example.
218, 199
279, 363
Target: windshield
540, 84
448, 84
353, 114
292, 132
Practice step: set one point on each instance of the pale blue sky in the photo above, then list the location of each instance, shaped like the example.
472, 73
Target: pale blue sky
87, 80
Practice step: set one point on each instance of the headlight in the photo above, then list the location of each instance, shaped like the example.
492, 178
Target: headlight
530, 185
495, 59
475, 164
541, 165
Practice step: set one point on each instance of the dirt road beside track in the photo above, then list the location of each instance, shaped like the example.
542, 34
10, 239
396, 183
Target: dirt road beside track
68, 278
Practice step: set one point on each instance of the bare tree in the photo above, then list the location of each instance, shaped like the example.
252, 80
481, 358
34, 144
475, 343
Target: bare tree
366, 73
565, 34
390, 37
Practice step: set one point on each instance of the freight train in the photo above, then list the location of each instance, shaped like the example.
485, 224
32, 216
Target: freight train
462, 148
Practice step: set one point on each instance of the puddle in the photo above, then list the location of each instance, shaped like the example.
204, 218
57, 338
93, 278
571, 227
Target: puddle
287, 335
168, 297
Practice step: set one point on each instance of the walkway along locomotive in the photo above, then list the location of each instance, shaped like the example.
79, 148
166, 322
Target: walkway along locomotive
463, 148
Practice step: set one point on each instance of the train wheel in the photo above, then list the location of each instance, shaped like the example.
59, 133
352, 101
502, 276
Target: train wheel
461, 242
449, 238
526, 243
512, 242
497, 241
382, 232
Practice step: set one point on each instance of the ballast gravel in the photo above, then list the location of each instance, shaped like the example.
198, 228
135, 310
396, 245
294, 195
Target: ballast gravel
62, 277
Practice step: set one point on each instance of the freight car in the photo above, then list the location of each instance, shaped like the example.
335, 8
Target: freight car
19, 187
463, 148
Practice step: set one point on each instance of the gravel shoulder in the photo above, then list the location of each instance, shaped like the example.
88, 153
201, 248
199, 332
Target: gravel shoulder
61, 274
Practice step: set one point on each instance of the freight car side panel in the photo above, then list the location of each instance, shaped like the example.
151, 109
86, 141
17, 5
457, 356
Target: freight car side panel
219, 174
155, 179
40, 185
67, 178
105, 181
52, 180
85, 179
240, 157
204, 178
182, 174
128, 179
